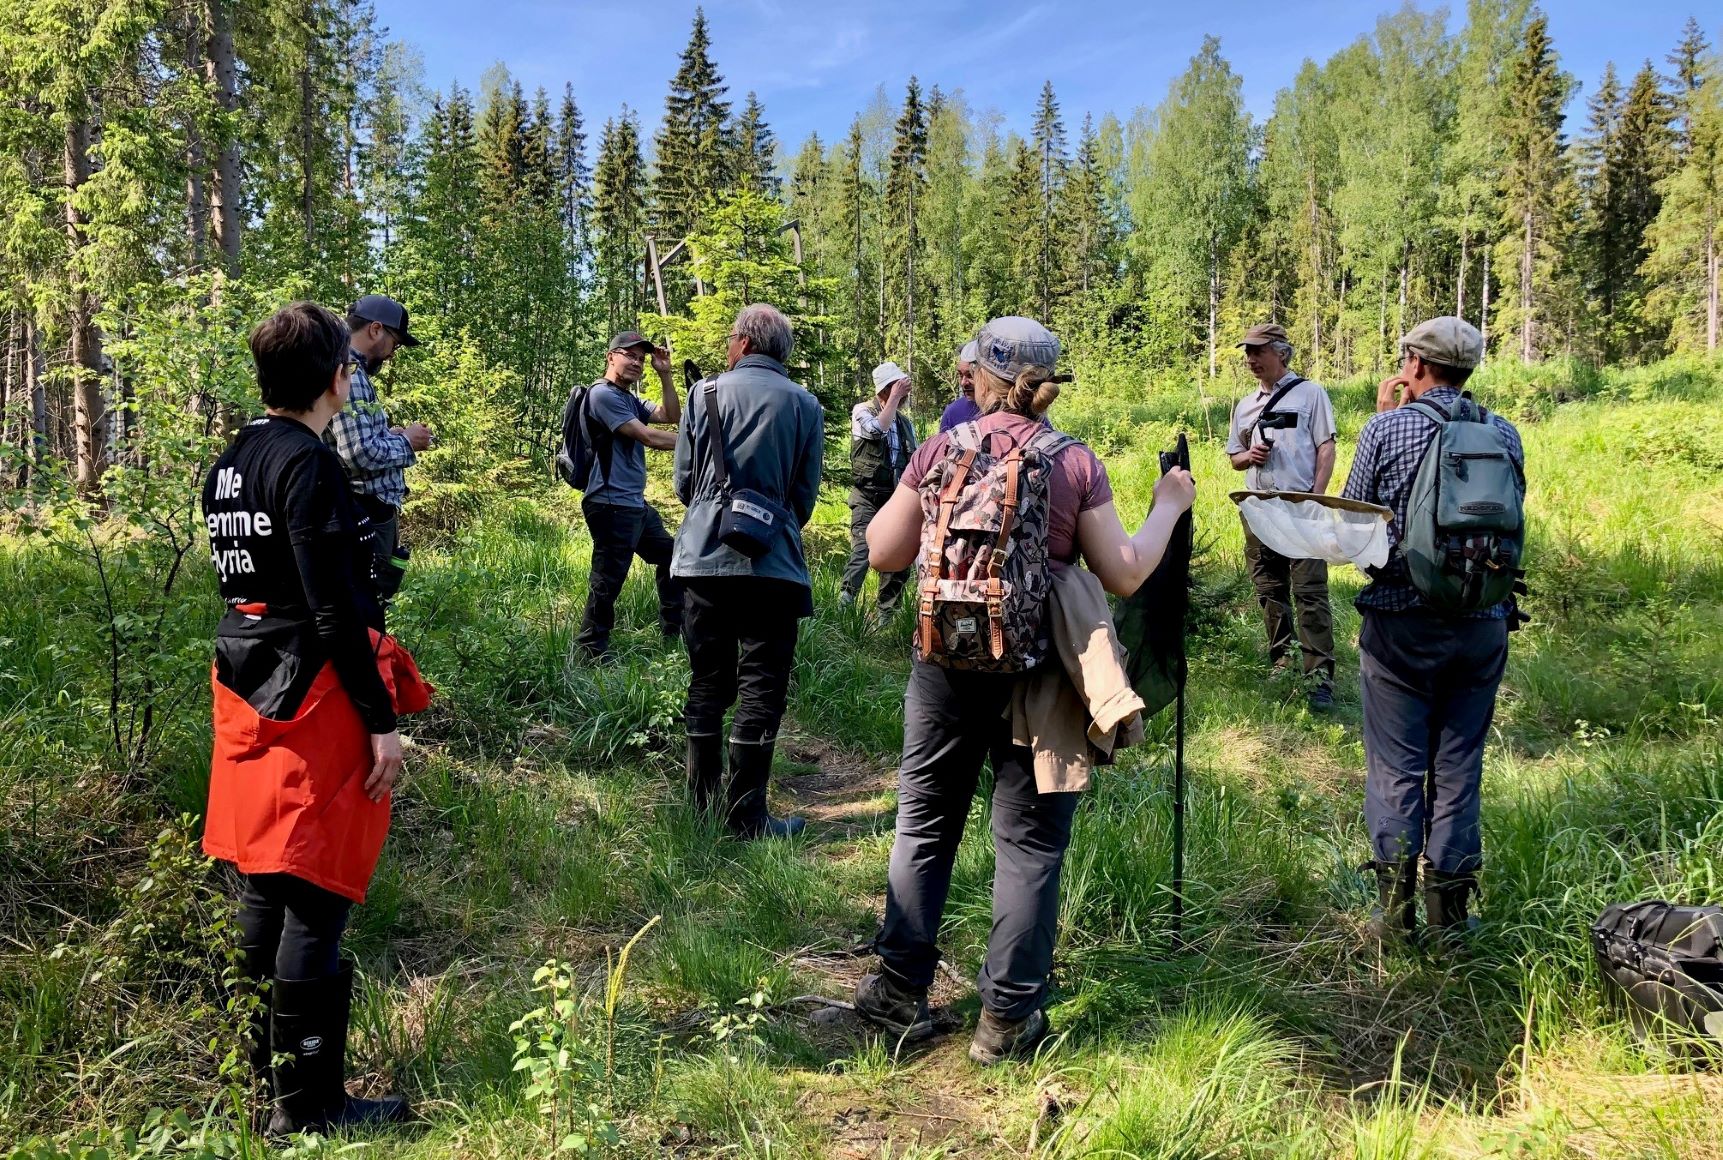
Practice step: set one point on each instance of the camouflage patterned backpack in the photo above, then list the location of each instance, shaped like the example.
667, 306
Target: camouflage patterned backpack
984, 577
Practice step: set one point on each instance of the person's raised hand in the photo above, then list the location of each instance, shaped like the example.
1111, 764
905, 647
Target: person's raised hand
900, 389
1177, 489
1391, 392
385, 764
661, 361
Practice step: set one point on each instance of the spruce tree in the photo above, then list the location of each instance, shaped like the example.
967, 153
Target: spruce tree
905, 291
1689, 61
1537, 192
1686, 251
573, 176
1050, 161
695, 148
618, 221
756, 163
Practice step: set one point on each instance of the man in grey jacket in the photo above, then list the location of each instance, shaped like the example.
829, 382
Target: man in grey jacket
740, 615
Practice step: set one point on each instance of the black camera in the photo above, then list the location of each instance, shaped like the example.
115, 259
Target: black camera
1277, 420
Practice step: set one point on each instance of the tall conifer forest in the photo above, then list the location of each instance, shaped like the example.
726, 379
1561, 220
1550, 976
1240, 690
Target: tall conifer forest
557, 955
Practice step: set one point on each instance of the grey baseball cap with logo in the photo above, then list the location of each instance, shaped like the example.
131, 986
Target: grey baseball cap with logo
1449, 341
1009, 346
384, 309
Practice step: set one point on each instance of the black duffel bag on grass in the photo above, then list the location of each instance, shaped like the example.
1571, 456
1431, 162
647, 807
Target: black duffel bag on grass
1665, 962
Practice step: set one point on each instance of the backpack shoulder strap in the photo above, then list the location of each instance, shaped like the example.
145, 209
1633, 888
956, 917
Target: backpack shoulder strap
1048, 443
1434, 410
718, 454
934, 564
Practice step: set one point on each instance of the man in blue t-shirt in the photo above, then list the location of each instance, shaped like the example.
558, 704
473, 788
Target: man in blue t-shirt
622, 524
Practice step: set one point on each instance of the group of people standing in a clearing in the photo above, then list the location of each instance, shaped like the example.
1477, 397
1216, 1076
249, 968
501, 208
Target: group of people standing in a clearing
986, 525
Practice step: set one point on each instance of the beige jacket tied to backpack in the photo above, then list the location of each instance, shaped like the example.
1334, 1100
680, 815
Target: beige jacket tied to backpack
1083, 709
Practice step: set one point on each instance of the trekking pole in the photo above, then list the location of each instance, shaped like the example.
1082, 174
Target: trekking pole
1184, 542
1179, 814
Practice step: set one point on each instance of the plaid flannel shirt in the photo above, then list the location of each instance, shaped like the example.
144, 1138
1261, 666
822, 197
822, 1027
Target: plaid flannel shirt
1390, 450
375, 457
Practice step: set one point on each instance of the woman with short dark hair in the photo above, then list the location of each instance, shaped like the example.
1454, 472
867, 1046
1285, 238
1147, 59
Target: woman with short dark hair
306, 697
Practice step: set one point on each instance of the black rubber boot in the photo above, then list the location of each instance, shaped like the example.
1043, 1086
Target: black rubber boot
705, 769
1445, 903
750, 768
308, 1030
1394, 919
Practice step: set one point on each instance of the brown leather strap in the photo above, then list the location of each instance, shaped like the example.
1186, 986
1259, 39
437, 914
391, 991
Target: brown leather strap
996, 559
935, 562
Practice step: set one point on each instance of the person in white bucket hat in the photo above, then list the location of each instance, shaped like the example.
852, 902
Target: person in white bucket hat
881, 440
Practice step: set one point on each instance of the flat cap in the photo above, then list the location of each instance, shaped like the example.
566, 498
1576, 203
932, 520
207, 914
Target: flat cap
1450, 341
887, 373
1009, 346
1264, 334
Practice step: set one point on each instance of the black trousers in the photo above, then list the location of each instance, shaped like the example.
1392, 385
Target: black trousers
952, 721
862, 512
618, 535
1429, 689
387, 571
290, 928
741, 638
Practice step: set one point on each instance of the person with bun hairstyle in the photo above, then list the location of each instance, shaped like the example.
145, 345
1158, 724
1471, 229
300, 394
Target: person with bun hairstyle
306, 703
955, 718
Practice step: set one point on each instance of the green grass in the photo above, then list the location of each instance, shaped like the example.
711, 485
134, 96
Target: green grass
541, 820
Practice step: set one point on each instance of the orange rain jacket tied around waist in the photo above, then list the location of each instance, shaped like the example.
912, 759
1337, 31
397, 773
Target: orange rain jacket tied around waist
288, 796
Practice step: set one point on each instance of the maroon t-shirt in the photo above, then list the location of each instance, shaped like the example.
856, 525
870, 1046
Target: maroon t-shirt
1078, 482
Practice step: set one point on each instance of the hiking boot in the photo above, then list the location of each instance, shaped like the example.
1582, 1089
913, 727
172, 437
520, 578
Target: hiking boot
846, 599
705, 769
997, 1039
1322, 698
1394, 920
902, 1011
1445, 904
750, 768
308, 1032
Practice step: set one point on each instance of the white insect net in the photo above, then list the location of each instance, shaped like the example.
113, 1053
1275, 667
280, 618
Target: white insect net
1304, 529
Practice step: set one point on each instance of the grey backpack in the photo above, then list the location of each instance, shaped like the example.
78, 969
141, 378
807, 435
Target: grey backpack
1465, 517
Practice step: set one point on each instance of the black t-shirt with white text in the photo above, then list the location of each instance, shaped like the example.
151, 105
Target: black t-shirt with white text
284, 532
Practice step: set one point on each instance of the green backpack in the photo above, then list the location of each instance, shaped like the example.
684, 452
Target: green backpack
1465, 518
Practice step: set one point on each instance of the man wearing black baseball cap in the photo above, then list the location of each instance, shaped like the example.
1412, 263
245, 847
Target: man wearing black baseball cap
622, 524
375, 454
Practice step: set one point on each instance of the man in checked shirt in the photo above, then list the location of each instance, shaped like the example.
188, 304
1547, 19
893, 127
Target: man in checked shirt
1428, 680
375, 454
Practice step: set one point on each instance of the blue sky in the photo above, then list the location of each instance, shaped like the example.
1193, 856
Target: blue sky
816, 65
